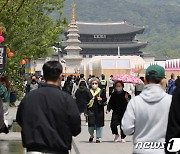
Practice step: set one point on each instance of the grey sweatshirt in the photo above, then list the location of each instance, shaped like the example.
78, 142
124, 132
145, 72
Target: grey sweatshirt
146, 118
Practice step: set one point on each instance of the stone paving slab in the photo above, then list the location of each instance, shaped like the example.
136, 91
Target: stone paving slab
107, 146
80, 143
12, 136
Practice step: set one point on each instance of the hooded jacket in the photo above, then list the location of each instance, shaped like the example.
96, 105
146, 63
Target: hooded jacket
83, 96
146, 119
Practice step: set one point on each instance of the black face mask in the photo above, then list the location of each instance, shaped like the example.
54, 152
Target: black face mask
119, 91
33, 81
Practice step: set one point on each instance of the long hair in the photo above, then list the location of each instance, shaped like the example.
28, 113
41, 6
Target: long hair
4, 80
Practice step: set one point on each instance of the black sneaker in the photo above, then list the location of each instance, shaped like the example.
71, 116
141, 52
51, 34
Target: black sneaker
90, 140
98, 141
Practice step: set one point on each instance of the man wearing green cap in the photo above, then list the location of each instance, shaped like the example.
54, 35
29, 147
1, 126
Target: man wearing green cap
146, 115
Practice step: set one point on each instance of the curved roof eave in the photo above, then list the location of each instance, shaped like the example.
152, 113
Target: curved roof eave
115, 45
108, 28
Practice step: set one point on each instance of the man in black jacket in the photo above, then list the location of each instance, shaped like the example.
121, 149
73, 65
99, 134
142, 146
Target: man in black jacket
173, 129
48, 116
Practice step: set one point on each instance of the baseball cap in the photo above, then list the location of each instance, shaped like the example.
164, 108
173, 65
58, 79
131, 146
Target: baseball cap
155, 71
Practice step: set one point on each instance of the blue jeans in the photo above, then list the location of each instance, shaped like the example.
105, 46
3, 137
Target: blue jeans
98, 131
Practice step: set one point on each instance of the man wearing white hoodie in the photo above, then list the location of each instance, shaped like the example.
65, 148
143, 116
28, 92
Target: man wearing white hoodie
146, 116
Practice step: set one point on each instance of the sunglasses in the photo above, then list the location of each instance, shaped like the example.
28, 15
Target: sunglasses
94, 83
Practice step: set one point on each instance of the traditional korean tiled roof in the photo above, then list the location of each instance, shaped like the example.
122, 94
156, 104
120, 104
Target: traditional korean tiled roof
134, 44
114, 45
108, 28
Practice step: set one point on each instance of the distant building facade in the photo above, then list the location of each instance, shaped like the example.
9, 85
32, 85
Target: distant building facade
85, 40
103, 39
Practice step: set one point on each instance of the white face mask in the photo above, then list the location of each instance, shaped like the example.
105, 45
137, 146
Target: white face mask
119, 89
94, 86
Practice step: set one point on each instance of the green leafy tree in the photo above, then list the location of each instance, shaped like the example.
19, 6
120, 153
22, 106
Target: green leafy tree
29, 32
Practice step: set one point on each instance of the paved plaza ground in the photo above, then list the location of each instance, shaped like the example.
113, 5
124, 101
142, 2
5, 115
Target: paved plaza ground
11, 143
107, 146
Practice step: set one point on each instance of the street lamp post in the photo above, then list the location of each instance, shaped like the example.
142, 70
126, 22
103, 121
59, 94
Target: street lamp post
59, 52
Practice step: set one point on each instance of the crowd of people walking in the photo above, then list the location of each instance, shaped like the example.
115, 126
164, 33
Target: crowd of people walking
49, 112
134, 115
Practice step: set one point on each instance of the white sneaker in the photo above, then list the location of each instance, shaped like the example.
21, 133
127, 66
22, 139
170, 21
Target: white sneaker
116, 138
86, 123
123, 140
6, 122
